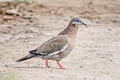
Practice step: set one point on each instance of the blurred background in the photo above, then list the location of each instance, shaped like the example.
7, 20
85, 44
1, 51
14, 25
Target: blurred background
25, 24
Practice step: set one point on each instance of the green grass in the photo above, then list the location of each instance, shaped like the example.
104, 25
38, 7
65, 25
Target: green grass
26, 1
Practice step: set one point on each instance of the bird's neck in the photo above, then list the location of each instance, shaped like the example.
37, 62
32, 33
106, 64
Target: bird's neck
71, 31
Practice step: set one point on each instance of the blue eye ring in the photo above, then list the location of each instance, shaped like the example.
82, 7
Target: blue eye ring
78, 20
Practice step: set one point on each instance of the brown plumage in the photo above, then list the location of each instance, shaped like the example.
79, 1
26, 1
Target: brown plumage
58, 47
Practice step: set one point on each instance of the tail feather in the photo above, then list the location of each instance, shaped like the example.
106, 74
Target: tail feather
31, 55
26, 57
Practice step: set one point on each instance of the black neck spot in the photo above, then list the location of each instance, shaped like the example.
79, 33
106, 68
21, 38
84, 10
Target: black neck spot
73, 24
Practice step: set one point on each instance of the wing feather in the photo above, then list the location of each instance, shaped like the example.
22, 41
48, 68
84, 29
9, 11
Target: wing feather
53, 46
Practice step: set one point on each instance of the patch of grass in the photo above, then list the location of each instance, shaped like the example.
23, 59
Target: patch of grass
26, 1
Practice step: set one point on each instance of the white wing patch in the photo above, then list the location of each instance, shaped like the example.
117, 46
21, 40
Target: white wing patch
62, 50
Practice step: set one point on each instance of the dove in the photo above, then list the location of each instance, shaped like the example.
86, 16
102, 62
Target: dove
57, 47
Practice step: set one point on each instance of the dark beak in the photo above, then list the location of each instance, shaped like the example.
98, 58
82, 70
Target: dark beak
84, 24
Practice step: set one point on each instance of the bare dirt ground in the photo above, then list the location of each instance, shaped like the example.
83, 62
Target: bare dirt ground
96, 55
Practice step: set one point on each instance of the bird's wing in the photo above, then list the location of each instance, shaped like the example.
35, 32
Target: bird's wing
53, 46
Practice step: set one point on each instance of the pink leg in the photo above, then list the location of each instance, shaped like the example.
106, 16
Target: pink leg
46, 63
61, 67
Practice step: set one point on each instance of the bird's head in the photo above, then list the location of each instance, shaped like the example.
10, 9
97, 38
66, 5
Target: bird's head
72, 27
77, 22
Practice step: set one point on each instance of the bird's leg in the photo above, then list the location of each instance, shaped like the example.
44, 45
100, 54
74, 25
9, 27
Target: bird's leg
46, 63
61, 67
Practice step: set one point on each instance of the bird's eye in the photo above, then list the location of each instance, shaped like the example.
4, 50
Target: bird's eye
77, 20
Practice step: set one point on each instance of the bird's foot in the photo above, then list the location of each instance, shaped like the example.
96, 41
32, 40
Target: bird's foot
61, 67
48, 66
46, 63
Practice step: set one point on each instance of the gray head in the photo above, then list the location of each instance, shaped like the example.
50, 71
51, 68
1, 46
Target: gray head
77, 22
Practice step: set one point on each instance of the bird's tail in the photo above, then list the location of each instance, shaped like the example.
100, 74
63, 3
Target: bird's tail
29, 56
